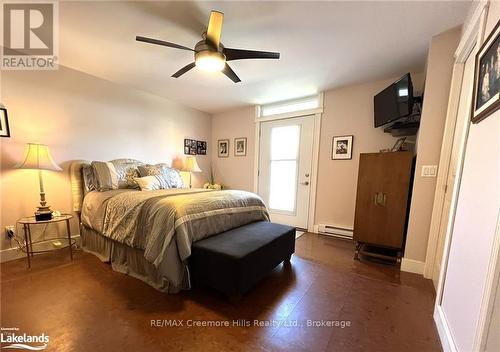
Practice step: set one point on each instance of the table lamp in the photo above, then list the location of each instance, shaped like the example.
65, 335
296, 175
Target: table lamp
37, 157
190, 165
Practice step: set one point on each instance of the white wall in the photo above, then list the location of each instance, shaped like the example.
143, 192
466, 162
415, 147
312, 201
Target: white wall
349, 111
83, 117
475, 223
438, 75
234, 172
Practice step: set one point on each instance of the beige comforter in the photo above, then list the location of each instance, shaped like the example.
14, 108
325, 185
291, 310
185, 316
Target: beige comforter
165, 223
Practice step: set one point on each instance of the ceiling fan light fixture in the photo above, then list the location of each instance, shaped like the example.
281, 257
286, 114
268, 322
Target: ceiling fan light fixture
210, 61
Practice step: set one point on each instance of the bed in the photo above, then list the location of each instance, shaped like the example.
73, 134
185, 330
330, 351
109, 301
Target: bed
148, 234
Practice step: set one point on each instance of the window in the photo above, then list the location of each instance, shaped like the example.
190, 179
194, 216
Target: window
283, 168
303, 104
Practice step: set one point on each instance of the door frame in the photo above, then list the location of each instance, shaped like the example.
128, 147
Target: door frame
317, 116
472, 37
442, 187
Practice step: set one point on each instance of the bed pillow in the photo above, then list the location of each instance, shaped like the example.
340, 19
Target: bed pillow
171, 176
151, 183
89, 182
151, 170
127, 171
105, 175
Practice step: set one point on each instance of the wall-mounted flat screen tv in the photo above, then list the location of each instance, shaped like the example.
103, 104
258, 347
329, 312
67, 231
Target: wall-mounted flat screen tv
394, 102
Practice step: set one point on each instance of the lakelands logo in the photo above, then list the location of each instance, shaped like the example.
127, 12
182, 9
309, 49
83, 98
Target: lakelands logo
30, 36
12, 339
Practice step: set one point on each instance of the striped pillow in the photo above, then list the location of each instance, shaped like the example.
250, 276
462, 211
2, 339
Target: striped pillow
151, 183
170, 176
105, 175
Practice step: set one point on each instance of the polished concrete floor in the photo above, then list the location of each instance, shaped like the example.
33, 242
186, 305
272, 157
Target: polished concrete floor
84, 306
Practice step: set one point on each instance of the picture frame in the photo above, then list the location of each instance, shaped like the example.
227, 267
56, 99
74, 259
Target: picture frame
486, 97
201, 147
223, 148
240, 146
4, 123
190, 146
342, 147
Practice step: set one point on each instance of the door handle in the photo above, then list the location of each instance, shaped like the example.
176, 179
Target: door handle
380, 199
305, 183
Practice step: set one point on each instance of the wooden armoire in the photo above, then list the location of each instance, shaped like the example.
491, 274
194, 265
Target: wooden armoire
382, 203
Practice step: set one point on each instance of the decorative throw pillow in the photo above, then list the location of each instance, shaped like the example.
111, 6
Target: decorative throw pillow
151, 183
151, 170
105, 175
128, 180
171, 176
127, 171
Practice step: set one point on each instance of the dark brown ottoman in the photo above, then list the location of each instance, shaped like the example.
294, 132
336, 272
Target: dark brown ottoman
233, 261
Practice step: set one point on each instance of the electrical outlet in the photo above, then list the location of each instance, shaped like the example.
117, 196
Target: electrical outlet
429, 170
10, 231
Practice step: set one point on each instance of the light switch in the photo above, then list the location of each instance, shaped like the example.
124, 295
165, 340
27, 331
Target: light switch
429, 170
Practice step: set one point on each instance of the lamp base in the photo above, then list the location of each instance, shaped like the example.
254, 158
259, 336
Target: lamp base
43, 213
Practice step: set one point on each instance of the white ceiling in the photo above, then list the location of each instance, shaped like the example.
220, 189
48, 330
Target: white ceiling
322, 44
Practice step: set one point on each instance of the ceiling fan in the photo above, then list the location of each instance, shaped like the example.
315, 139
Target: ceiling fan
210, 54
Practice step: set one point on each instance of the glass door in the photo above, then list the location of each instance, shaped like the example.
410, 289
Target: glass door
285, 169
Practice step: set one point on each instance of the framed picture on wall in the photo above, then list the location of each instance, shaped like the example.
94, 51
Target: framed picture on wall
201, 147
342, 147
190, 146
223, 148
487, 77
4, 123
240, 146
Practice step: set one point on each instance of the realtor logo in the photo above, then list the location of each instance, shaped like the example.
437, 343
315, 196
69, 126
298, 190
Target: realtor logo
30, 36
10, 338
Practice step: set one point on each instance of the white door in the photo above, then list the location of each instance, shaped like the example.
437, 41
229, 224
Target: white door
286, 148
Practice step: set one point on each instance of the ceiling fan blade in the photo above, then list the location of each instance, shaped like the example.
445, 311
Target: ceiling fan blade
215, 28
230, 73
241, 54
184, 70
161, 42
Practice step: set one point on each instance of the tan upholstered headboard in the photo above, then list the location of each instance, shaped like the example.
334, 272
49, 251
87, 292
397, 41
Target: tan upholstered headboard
77, 192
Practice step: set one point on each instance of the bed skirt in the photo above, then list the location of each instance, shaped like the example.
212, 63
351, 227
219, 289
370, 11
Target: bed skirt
125, 259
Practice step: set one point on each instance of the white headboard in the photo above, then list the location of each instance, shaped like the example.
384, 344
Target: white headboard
77, 192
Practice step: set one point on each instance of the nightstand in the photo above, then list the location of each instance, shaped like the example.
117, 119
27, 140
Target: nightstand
29, 221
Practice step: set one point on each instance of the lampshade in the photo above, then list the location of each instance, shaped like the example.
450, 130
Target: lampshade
177, 163
190, 165
37, 156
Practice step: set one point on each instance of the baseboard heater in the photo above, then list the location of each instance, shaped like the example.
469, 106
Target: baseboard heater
337, 231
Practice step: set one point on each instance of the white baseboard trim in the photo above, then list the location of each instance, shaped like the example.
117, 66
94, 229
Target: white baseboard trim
412, 266
444, 331
6, 255
9, 254
335, 231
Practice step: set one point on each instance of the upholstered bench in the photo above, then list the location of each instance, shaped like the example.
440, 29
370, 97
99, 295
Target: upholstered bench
233, 261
